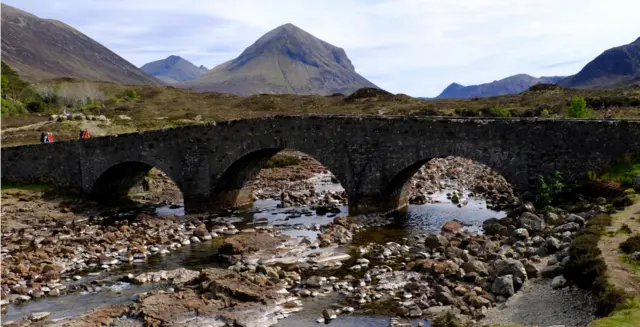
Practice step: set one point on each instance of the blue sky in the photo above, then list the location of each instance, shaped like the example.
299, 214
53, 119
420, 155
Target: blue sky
417, 47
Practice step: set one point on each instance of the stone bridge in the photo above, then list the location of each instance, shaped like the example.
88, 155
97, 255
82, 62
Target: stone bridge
372, 156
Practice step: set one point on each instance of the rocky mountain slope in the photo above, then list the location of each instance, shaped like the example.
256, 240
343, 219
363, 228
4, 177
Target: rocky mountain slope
510, 85
286, 60
616, 67
43, 48
174, 69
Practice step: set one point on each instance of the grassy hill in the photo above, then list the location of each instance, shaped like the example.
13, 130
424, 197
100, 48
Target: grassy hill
43, 48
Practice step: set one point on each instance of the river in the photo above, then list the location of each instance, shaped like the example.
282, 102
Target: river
294, 221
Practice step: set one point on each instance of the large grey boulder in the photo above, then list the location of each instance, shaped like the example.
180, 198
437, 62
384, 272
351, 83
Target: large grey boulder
503, 285
509, 266
531, 222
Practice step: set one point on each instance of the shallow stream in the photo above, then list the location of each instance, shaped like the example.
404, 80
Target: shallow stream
293, 221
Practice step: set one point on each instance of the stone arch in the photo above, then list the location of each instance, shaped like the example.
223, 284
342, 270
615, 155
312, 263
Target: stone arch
394, 192
228, 187
115, 181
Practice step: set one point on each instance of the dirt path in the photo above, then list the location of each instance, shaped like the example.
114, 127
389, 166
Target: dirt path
620, 273
33, 126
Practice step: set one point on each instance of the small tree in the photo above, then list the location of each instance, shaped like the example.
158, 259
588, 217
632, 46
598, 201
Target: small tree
549, 189
578, 108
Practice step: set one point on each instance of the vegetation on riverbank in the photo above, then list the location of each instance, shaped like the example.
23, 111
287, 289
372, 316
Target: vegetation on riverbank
627, 315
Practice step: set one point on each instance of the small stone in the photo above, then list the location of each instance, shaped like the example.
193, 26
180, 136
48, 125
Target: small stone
37, 316
54, 292
329, 314
77, 277
558, 282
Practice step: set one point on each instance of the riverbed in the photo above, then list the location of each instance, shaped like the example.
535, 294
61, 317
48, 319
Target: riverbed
299, 222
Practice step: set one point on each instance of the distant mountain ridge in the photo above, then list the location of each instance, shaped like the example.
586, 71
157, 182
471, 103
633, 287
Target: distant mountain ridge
43, 48
616, 67
510, 85
174, 69
285, 60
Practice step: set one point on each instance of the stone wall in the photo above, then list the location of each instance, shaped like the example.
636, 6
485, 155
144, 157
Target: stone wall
371, 156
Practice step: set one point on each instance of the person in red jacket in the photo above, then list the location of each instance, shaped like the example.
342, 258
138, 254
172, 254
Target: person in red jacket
84, 133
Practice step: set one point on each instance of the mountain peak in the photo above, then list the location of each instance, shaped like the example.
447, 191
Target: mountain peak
173, 69
508, 85
286, 59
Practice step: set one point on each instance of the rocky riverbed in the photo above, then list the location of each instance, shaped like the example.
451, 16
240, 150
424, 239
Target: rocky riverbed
263, 266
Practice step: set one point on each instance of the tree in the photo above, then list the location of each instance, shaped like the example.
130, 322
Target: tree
578, 108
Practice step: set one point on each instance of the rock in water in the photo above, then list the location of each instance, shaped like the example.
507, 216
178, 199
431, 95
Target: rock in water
37, 316
329, 314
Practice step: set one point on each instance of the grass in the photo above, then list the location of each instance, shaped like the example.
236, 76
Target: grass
280, 160
162, 107
623, 172
7, 187
627, 315
635, 265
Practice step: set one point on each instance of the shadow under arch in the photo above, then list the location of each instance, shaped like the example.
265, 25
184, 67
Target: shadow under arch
230, 189
114, 184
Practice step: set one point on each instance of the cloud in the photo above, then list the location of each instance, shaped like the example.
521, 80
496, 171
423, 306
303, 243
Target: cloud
415, 47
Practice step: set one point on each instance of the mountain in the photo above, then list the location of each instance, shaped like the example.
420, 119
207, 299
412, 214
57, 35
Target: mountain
285, 60
510, 85
616, 67
43, 48
174, 69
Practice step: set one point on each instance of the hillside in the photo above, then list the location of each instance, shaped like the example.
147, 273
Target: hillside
286, 60
173, 69
616, 67
510, 85
43, 48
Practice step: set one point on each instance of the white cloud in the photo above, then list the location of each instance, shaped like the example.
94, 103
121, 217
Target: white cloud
416, 47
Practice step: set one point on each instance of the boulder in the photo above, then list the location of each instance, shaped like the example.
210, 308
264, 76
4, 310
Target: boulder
451, 227
201, 231
553, 244
522, 233
509, 266
531, 222
329, 314
493, 226
532, 270
435, 241
573, 218
551, 218
568, 227
635, 182
503, 285
476, 266
558, 282
552, 271
246, 243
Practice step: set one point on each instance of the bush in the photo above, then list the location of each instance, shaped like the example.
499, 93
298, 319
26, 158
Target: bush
131, 94
578, 108
625, 229
545, 113
549, 189
631, 245
12, 108
282, 161
496, 111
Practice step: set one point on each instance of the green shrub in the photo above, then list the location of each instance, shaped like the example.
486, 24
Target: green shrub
631, 245
282, 161
545, 113
496, 111
578, 108
12, 108
131, 94
548, 189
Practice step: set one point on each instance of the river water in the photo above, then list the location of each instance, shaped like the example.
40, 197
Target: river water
293, 221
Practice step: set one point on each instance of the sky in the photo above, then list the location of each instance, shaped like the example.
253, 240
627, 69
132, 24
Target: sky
416, 47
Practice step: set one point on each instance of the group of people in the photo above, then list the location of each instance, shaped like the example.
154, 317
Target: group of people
47, 137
